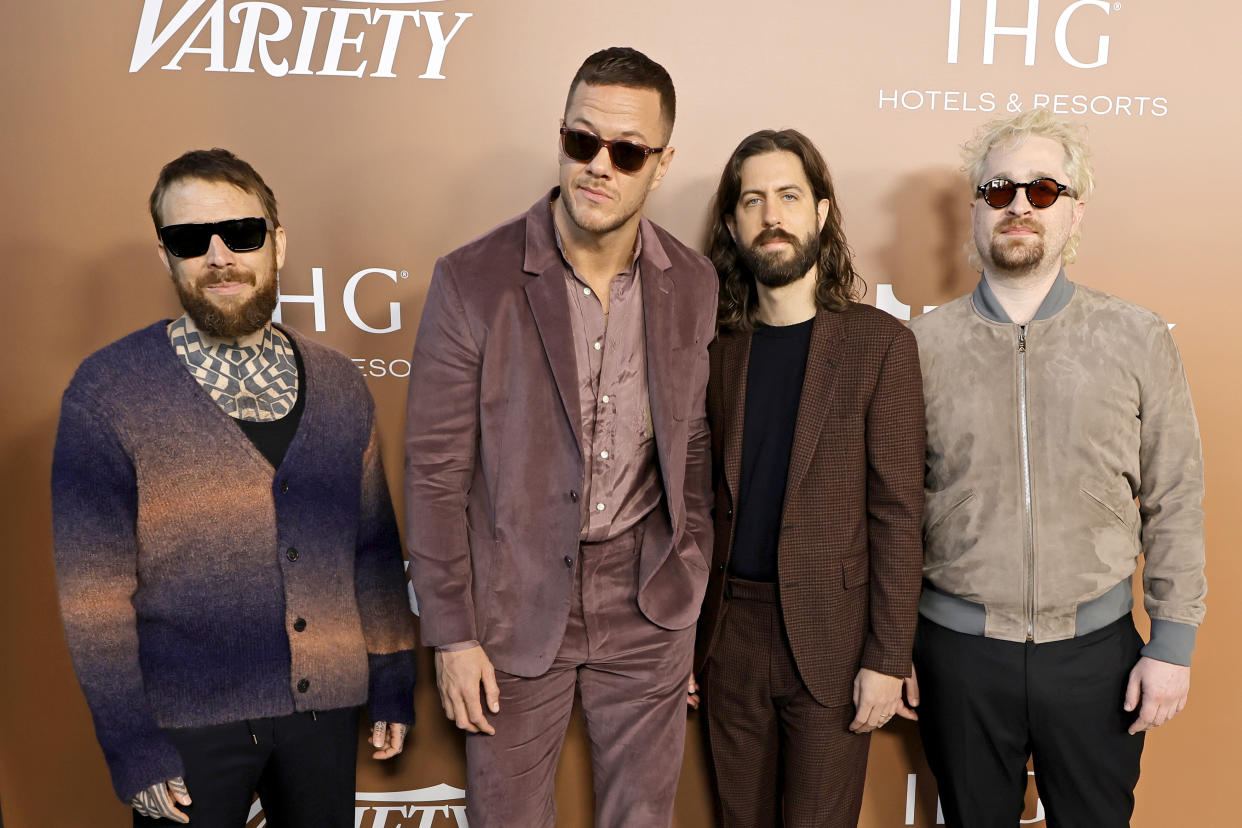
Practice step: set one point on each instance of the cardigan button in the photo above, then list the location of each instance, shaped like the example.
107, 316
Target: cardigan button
303, 685
291, 554
729, 514
573, 496
569, 561
299, 625
284, 487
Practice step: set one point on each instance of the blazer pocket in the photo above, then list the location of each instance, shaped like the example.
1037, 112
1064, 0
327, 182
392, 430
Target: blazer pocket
856, 571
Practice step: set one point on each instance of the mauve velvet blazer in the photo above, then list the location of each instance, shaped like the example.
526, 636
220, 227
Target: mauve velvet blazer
493, 467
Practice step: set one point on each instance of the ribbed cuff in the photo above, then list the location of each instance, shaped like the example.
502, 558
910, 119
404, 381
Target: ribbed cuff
1171, 641
141, 763
392, 687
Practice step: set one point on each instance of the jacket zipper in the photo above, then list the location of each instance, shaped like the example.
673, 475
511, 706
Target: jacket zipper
1029, 535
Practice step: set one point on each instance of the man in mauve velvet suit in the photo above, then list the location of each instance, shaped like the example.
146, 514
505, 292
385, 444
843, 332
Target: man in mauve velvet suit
557, 469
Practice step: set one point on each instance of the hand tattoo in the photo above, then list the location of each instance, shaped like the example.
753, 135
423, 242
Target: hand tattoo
156, 802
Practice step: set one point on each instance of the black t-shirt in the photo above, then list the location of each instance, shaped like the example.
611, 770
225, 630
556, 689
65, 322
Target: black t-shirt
773, 391
272, 437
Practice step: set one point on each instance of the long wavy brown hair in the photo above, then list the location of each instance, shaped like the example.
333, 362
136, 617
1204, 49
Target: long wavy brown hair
837, 284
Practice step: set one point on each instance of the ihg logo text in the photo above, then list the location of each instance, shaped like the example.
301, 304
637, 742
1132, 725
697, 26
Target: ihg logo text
1078, 13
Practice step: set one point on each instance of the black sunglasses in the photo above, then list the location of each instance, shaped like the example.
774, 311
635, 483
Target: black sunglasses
1042, 192
626, 156
186, 241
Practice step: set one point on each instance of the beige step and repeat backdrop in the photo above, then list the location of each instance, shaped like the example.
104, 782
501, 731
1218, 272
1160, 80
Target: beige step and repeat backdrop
395, 131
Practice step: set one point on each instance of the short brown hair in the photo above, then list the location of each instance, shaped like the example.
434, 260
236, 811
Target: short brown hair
623, 66
836, 285
212, 165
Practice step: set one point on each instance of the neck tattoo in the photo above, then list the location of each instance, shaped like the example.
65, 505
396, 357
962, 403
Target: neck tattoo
256, 382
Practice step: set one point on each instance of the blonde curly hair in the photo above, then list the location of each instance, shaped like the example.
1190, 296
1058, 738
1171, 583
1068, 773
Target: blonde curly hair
1041, 123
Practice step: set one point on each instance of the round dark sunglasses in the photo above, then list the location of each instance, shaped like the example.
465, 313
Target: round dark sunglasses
627, 156
1041, 192
186, 241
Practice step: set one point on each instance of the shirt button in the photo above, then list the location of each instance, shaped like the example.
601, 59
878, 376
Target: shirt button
586, 291
569, 561
729, 514
606, 398
291, 554
284, 487
300, 624
303, 685
598, 346
599, 507
604, 455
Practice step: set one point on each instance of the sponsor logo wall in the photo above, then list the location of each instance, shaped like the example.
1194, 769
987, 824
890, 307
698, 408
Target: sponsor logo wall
394, 131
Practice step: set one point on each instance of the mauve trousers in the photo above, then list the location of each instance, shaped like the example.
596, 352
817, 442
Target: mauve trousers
632, 677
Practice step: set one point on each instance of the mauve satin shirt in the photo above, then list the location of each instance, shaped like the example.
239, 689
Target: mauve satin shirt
622, 480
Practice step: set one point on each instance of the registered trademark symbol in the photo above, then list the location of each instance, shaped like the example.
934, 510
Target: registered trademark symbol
405, 274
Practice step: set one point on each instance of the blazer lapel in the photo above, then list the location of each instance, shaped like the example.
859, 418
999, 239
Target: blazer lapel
823, 368
549, 303
735, 362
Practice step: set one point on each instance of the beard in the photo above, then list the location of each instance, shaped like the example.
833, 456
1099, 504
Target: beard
228, 321
1019, 257
774, 269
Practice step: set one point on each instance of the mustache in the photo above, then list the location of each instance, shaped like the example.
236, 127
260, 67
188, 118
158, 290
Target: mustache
600, 184
774, 234
229, 273
1015, 223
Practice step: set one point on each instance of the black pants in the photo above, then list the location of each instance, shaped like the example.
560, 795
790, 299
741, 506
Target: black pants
988, 705
302, 768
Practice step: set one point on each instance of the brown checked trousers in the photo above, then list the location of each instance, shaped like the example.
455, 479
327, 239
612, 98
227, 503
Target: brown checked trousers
778, 661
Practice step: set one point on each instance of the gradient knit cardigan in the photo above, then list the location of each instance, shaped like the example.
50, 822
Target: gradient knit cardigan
198, 585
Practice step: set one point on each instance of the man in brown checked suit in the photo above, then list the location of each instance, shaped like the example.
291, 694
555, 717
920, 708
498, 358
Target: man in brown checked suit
816, 411
557, 478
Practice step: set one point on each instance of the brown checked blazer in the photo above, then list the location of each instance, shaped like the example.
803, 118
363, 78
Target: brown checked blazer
850, 548
493, 464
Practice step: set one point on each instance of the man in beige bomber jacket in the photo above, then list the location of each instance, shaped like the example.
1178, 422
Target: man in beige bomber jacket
1051, 407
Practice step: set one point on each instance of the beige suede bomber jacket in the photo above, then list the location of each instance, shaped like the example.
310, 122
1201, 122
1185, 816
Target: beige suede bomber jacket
1040, 438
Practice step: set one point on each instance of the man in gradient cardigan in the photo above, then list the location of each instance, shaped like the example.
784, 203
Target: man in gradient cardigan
229, 569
